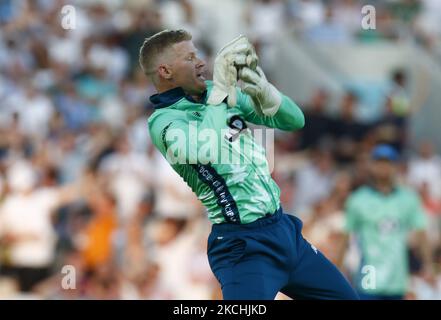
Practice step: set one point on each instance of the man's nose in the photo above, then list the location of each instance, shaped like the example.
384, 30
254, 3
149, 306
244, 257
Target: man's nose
200, 63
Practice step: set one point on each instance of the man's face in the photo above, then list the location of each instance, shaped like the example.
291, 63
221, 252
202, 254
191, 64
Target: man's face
187, 68
383, 170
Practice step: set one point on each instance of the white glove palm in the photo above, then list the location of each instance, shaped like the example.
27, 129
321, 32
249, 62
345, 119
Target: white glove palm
238, 52
266, 98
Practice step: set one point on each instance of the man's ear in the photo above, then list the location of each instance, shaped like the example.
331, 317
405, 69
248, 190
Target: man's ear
165, 71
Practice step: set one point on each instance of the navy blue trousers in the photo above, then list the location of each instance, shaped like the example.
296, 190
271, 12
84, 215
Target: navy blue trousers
257, 260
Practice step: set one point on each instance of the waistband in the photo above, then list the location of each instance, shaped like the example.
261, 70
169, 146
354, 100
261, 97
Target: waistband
268, 219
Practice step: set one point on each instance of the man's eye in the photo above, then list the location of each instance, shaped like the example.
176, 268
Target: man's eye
190, 58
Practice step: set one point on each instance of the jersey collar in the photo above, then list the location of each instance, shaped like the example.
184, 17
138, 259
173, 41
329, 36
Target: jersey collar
169, 97
377, 191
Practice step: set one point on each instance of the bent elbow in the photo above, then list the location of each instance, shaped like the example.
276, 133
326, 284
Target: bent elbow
297, 118
297, 123
300, 121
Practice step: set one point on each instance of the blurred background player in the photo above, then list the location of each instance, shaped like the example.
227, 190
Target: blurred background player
381, 216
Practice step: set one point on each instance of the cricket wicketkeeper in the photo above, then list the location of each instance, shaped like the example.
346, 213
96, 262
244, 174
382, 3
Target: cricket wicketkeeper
254, 249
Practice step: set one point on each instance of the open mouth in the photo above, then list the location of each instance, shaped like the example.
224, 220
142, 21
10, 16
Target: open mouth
200, 76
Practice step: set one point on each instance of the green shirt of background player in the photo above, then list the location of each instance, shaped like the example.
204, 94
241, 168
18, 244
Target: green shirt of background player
380, 216
187, 106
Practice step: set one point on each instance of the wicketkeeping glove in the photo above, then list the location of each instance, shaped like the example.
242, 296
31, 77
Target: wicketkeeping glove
266, 98
236, 54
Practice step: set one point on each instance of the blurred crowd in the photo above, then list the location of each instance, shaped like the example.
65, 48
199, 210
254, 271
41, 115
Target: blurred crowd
81, 184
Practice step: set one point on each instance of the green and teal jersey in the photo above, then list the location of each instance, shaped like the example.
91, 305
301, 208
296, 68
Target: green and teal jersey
381, 224
228, 170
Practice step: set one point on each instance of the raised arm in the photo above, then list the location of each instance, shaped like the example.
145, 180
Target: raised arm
288, 117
